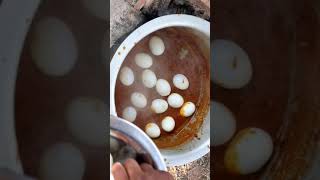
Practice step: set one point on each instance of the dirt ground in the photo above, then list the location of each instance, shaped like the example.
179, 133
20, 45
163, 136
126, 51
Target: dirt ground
196, 170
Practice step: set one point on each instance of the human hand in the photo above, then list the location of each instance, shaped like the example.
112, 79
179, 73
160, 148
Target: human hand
131, 170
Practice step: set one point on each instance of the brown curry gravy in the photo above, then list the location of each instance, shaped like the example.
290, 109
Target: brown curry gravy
195, 66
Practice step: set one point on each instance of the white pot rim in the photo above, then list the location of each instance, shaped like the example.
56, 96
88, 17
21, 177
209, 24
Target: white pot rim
174, 20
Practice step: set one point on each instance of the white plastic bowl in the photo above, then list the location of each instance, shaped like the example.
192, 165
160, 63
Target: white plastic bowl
195, 148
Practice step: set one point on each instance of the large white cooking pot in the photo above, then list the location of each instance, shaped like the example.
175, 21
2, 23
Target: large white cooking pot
195, 148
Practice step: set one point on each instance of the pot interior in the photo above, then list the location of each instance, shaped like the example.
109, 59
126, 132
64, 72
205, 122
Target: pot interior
186, 52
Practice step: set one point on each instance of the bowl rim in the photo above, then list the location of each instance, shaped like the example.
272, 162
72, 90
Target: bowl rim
173, 20
133, 131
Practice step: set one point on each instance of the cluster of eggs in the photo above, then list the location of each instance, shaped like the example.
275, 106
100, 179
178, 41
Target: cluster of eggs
251, 148
54, 51
162, 86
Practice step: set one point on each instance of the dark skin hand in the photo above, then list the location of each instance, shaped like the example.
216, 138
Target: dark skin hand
131, 170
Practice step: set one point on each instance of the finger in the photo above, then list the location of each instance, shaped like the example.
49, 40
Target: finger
146, 167
119, 172
133, 169
165, 175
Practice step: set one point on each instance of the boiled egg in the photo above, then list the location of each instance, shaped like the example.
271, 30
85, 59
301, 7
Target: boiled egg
53, 47
129, 114
152, 130
163, 87
168, 124
223, 123
159, 106
156, 45
143, 60
249, 151
175, 100
149, 78
126, 76
232, 68
86, 119
62, 161
138, 100
180, 81
187, 109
